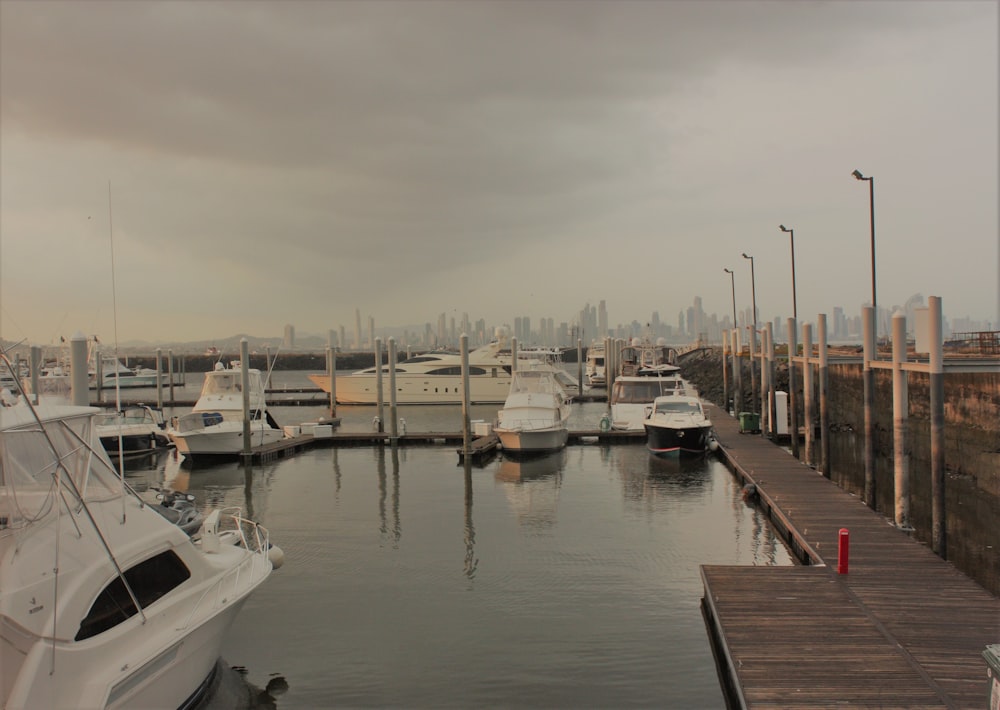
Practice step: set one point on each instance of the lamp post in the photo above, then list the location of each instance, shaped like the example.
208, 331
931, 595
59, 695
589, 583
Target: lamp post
871, 207
791, 235
753, 335
793, 336
737, 368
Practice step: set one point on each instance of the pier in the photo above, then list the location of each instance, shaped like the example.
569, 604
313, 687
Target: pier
901, 627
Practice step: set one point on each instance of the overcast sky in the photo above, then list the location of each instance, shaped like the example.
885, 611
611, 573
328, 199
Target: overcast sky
277, 163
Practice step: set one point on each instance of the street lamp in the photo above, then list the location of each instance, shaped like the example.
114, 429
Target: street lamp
753, 335
791, 235
871, 205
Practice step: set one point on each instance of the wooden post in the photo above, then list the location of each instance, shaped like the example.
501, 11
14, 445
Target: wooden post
939, 527
378, 385
807, 389
466, 434
793, 406
900, 421
868, 394
772, 404
824, 407
245, 379
159, 378
725, 370
394, 429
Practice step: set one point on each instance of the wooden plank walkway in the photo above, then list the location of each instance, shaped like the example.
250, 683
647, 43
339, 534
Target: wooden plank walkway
903, 628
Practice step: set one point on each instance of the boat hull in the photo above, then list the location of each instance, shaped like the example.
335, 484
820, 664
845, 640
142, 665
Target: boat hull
534, 441
677, 440
224, 439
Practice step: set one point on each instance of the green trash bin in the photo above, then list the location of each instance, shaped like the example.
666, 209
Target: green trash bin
992, 656
749, 422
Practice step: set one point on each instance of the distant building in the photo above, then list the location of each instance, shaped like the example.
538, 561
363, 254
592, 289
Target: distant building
289, 341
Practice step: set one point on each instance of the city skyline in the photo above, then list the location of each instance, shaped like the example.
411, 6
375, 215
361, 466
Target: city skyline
175, 170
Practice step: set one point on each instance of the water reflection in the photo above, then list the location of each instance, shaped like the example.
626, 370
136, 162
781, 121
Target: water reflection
531, 485
469, 531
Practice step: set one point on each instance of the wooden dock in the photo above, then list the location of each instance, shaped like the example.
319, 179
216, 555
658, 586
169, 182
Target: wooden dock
902, 629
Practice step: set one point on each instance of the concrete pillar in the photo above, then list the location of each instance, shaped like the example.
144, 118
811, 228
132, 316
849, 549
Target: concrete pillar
245, 380
771, 402
159, 378
79, 380
466, 424
394, 428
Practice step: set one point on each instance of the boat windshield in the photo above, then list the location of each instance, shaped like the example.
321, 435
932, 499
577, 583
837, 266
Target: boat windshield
31, 458
679, 405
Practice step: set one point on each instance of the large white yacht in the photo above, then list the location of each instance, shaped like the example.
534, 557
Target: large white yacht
214, 427
104, 603
535, 415
431, 378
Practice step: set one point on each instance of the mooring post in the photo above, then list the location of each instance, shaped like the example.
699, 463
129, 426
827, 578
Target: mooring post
466, 434
900, 420
725, 370
245, 385
807, 390
939, 528
753, 370
579, 364
35, 369
868, 394
170, 374
737, 372
824, 405
380, 424
394, 428
159, 378
331, 368
793, 406
772, 404
513, 354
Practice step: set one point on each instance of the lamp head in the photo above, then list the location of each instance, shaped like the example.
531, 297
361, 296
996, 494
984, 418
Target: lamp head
858, 175
783, 228
747, 256
728, 271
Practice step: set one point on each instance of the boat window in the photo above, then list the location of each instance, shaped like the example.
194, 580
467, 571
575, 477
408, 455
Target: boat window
149, 580
456, 370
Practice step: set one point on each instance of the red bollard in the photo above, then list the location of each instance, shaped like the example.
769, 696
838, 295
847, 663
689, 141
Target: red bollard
842, 551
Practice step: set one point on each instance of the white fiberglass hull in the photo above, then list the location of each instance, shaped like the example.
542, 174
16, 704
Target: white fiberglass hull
225, 439
417, 388
533, 440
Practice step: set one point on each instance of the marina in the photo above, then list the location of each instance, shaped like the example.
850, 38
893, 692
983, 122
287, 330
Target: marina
566, 580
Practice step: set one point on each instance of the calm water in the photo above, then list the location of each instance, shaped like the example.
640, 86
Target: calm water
413, 581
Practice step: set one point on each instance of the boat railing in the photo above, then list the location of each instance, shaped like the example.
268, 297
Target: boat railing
242, 577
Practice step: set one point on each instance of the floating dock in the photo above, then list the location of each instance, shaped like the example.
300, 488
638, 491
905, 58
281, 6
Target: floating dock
902, 628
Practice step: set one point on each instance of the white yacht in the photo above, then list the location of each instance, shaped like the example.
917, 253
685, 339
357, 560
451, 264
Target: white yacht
113, 373
647, 370
535, 414
595, 366
104, 603
214, 427
431, 378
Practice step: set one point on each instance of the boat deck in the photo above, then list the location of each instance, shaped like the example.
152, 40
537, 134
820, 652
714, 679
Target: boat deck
902, 628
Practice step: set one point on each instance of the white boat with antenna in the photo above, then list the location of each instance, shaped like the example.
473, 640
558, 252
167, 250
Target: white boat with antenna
215, 426
104, 602
594, 373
